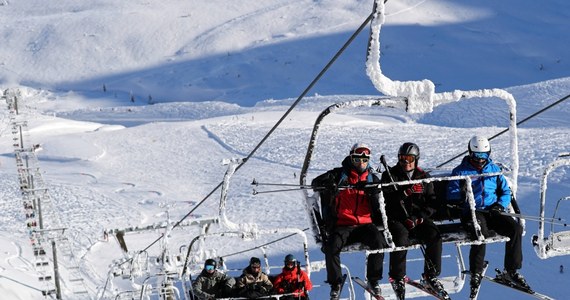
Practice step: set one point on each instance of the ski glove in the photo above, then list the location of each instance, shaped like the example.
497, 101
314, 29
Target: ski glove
327, 185
496, 209
417, 188
361, 185
411, 223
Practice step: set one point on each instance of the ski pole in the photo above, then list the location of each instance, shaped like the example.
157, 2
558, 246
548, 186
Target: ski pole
546, 221
316, 188
526, 217
383, 161
530, 218
306, 186
428, 261
255, 192
533, 218
254, 182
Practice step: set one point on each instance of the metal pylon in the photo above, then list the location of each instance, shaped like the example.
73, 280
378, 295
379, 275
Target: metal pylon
43, 223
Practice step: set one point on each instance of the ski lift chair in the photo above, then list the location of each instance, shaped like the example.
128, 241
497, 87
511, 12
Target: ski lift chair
451, 230
557, 243
196, 267
164, 287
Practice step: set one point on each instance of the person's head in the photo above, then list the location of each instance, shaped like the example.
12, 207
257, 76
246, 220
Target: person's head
290, 261
479, 151
255, 265
210, 266
360, 156
408, 156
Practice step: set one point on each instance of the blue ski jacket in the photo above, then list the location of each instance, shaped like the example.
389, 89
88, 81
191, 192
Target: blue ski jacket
487, 190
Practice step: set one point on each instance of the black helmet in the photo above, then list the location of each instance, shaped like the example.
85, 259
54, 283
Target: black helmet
210, 262
290, 261
290, 258
410, 149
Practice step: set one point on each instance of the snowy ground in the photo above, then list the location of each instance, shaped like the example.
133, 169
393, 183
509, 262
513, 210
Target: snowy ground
110, 163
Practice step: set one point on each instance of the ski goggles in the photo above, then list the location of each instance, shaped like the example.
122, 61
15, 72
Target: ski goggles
480, 155
209, 268
365, 152
406, 159
358, 159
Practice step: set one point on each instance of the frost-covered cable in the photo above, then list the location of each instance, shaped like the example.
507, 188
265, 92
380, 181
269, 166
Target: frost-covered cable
232, 165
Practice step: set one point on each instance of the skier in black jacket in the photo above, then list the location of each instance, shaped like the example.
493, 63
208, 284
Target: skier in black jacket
409, 208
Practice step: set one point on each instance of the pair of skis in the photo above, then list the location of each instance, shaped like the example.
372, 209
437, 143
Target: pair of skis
428, 289
500, 279
365, 286
415, 284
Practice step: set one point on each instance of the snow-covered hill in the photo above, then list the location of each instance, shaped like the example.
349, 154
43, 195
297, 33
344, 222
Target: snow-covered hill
112, 163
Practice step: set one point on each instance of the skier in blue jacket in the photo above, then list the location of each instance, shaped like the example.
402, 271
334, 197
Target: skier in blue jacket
492, 196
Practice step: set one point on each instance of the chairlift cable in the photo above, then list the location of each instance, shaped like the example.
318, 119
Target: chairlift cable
507, 129
260, 246
307, 89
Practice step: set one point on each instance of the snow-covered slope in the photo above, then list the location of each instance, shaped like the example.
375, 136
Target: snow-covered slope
112, 163
254, 50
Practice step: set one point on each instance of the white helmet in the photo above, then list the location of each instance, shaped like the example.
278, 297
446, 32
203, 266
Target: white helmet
360, 149
479, 144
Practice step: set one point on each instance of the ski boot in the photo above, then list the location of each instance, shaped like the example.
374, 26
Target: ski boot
475, 283
399, 287
516, 278
335, 291
374, 286
435, 285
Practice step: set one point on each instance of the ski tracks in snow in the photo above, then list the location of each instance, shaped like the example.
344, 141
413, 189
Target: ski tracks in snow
15, 258
204, 41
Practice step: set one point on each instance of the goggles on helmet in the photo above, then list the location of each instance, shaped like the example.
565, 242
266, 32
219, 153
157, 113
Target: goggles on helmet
209, 267
480, 155
406, 159
363, 152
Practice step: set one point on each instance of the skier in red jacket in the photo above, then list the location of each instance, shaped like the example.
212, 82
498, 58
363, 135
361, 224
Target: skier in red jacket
292, 280
351, 213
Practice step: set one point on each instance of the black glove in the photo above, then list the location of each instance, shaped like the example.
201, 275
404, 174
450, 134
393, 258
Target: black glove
377, 218
496, 209
361, 185
327, 182
331, 186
